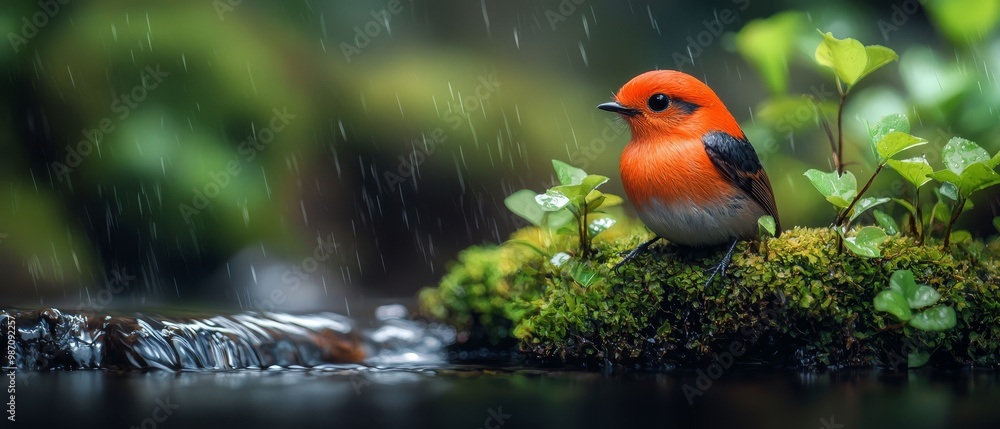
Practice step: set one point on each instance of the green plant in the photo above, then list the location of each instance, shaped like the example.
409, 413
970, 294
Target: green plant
910, 303
969, 169
576, 199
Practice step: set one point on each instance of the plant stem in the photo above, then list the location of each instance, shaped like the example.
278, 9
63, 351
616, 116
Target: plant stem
582, 227
959, 205
920, 218
839, 159
844, 214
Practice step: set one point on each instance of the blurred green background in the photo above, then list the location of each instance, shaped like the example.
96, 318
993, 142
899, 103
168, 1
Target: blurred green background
303, 154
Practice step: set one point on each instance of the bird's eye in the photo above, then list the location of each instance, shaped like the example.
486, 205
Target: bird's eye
658, 102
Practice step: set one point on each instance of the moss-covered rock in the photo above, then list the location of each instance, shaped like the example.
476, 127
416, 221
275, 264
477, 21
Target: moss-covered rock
795, 300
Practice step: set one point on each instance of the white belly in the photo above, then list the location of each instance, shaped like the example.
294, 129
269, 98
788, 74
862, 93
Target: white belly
690, 225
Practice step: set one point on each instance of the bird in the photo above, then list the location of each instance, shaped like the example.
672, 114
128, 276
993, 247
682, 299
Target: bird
688, 169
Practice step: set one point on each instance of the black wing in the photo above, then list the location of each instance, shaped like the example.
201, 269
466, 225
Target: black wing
738, 162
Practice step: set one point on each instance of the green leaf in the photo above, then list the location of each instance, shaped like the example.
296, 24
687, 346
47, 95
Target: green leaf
600, 224
917, 359
846, 57
949, 190
960, 153
940, 318
838, 190
894, 303
886, 222
523, 204
768, 44
611, 201
941, 212
917, 296
552, 200
568, 174
963, 21
888, 123
896, 142
766, 223
849, 59
878, 56
594, 200
584, 276
906, 205
996, 223
866, 242
866, 204
976, 177
559, 219
960, 236
914, 170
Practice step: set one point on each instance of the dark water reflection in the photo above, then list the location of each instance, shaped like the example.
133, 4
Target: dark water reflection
468, 397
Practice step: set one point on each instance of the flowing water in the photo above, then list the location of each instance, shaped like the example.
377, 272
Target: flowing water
327, 370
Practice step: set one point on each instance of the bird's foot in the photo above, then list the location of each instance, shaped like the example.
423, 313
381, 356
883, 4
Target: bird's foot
640, 249
720, 268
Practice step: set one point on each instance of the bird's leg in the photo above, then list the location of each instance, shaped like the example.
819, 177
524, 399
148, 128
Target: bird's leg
640, 249
722, 265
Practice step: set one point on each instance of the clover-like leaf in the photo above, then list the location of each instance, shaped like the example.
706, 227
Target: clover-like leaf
866, 242
917, 296
851, 60
866, 204
895, 142
595, 199
894, 303
568, 174
886, 222
940, 318
846, 57
523, 204
552, 200
766, 223
914, 170
600, 224
959, 153
839, 190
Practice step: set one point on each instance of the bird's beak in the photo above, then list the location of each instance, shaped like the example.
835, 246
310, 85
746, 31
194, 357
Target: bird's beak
613, 106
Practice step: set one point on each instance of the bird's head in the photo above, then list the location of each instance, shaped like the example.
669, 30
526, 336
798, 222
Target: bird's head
663, 104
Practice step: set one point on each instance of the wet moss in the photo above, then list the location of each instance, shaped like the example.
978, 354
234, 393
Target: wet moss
791, 301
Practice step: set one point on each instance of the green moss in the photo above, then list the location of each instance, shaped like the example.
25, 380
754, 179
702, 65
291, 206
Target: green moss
799, 302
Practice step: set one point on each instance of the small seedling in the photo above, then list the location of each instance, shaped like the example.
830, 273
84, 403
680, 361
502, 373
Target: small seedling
576, 198
969, 169
905, 298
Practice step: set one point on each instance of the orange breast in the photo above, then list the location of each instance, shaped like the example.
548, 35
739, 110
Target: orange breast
671, 172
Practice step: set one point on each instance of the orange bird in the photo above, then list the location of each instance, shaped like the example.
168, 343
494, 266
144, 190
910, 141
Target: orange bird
689, 170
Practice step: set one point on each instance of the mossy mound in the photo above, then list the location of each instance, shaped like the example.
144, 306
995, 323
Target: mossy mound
798, 302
